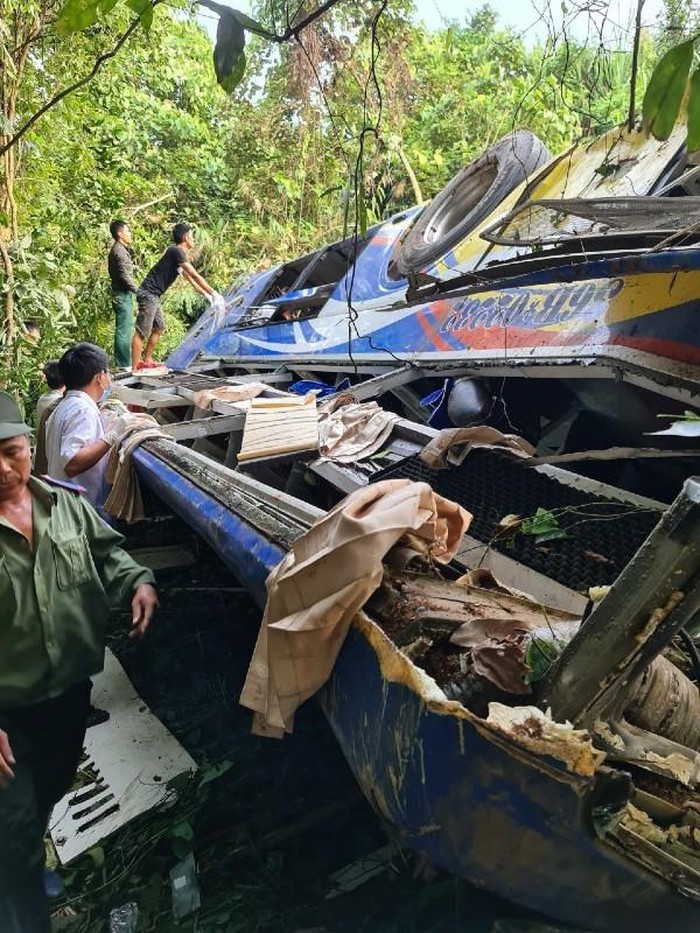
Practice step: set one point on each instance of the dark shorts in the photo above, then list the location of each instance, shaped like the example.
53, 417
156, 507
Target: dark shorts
150, 314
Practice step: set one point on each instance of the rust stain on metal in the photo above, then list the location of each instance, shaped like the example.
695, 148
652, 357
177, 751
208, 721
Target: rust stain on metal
658, 615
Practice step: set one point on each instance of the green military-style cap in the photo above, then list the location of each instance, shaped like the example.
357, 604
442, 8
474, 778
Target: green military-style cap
11, 421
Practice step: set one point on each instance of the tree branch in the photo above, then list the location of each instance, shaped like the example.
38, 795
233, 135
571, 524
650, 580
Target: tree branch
50, 104
417, 193
291, 32
635, 59
141, 207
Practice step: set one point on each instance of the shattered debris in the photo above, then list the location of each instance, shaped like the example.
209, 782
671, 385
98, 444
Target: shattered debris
539, 733
642, 824
680, 839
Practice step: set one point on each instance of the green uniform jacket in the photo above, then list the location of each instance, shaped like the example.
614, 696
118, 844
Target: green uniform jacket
54, 601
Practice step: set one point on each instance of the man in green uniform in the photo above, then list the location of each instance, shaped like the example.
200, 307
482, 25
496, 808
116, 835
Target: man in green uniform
61, 567
121, 276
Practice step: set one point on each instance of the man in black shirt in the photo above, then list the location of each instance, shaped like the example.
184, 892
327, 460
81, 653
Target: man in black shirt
149, 320
121, 274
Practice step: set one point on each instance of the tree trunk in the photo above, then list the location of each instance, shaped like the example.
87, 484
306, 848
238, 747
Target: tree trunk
8, 228
8, 321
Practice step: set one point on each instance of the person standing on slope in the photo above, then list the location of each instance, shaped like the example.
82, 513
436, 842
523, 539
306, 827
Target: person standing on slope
150, 323
121, 275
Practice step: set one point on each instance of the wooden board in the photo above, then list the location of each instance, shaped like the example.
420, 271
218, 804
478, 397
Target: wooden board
278, 426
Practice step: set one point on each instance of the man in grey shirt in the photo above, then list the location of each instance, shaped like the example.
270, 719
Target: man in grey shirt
121, 274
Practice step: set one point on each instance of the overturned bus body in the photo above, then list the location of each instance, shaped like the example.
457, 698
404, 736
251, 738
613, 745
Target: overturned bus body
526, 349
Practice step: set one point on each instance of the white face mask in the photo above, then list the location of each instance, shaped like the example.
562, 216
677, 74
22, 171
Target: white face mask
106, 392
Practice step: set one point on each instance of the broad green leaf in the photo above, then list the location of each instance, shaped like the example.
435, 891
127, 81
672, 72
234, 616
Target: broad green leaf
252, 25
97, 854
213, 772
539, 657
543, 520
543, 526
229, 58
230, 83
144, 9
665, 90
694, 112
106, 6
181, 847
77, 15
183, 830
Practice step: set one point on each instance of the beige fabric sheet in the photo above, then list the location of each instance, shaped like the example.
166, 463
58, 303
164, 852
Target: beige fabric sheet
331, 571
452, 445
233, 393
124, 500
353, 431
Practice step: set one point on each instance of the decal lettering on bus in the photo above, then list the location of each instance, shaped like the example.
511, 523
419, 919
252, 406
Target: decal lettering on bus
538, 306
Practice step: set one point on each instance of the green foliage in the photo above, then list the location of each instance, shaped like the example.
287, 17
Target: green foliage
540, 654
77, 15
666, 90
146, 140
229, 56
252, 25
543, 526
693, 141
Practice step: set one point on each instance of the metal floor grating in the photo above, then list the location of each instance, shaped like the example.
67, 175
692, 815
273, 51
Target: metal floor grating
491, 486
192, 381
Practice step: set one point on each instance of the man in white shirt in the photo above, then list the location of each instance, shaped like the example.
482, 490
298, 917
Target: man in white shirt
76, 442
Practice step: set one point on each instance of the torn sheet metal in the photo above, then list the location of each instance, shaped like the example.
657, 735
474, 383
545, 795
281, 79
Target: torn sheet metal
130, 764
539, 733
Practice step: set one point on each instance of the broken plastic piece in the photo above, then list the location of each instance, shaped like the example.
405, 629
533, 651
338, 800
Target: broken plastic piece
184, 888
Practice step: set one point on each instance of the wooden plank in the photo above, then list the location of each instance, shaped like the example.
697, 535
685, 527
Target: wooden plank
279, 426
475, 554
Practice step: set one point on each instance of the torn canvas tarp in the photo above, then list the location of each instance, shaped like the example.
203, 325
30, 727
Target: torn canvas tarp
451, 446
331, 571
